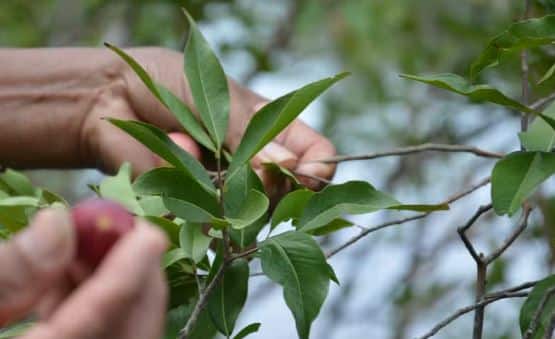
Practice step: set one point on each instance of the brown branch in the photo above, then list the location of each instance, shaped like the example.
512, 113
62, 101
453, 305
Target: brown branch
512, 237
412, 150
462, 311
468, 191
517, 288
371, 230
201, 303
313, 177
538, 313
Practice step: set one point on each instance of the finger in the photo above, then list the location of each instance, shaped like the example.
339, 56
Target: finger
274, 152
34, 261
187, 143
97, 308
309, 146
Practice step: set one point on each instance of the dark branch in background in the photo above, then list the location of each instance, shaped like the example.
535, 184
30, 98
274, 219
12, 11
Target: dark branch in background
512, 237
415, 149
537, 315
462, 311
369, 230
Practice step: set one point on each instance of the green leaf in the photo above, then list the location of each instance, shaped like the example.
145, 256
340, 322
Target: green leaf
15, 212
421, 207
247, 330
236, 190
17, 183
540, 135
173, 256
193, 242
531, 305
168, 99
158, 142
353, 197
520, 35
208, 84
295, 261
276, 168
50, 198
547, 75
118, 188
173, 183
192, 213
516, 176
228, 299
332, 226
291, 206
460, 85
153, 205
16, 330
170, 228
274, 117
254, 207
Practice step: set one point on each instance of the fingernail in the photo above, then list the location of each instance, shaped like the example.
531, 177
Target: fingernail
259, 106
280, 155
48, 243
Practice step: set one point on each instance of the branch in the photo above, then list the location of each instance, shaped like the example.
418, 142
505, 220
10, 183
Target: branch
462, 311
313, 177
524, 67
369, 230
508, 242
373, 229
513, 289
201, 303
462, 232
540, 103
537, 315
412, 150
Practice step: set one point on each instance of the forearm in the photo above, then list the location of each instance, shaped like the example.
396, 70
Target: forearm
45, 97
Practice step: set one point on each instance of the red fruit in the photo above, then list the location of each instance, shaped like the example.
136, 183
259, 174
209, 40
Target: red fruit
99, 224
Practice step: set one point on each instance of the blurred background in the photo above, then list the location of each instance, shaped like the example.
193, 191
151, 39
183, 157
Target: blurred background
399, 282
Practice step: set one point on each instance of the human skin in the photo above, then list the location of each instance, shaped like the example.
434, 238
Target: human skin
51, 105
52, 102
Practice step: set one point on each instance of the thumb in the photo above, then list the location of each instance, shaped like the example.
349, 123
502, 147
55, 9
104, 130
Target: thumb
33, 261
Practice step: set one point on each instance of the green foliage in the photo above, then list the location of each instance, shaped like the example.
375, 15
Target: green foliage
158, 142
119, 188
295, 261
254, 207
291, 206
193, 242
170, 100
274, 117
208, 84
540, 135
16, 330
516, 176
520, 35
537, 296
228, 299
247, 330
478, 93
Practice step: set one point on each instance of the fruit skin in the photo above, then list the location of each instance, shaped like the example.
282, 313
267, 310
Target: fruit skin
99, 223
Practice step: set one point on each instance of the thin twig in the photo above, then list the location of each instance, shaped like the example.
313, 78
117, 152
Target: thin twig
462, 311
371, 230
549, 332
525, 76
468, 191
538, 313
246, 253
540, 103
512, 237
412, 150
517, 288
201, 303
462, 232
313, 177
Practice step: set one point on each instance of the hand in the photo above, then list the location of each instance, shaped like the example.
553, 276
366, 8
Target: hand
125, 298
128, 98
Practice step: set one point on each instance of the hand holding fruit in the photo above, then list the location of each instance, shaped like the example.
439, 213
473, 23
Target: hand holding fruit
125, 297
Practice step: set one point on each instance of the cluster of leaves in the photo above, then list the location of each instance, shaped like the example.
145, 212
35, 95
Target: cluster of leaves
517, 175
201, 211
